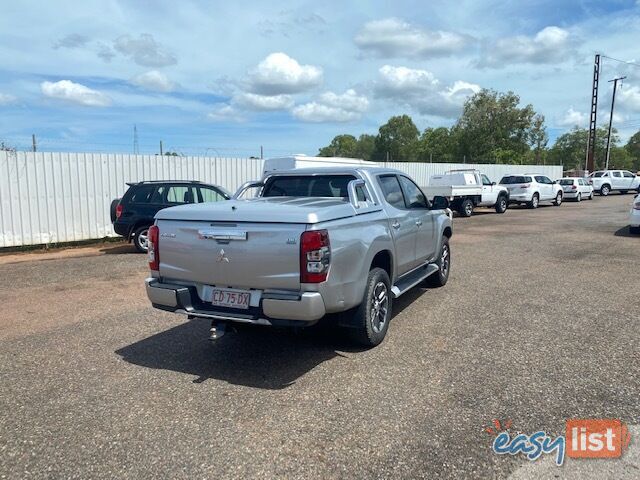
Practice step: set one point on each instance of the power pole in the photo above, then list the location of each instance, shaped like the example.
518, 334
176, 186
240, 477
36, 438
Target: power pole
613, 101
160, 147
591, 143
136, 149
33, 141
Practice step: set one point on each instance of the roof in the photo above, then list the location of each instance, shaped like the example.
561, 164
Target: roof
336, 171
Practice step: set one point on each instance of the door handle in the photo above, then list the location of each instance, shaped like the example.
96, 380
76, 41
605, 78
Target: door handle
418, 222
396, 225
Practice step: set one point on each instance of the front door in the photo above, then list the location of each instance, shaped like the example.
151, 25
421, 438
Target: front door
402, 223
416, 203
489, 192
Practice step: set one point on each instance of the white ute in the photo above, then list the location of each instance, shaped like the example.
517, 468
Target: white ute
466, 189
606, 181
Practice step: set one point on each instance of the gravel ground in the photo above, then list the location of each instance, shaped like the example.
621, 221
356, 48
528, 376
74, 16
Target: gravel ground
538, 324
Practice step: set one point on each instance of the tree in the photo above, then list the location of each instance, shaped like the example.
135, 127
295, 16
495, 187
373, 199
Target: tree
538, 138
437, 145
493, 123
340, 146
397, 140
366, 146
570, 149
633, 148
6, 148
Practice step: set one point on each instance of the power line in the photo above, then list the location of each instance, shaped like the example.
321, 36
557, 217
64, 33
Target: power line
621, 61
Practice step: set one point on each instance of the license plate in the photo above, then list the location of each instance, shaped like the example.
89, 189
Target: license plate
230, 298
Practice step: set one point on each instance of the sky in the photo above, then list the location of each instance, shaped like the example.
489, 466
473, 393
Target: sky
225, 78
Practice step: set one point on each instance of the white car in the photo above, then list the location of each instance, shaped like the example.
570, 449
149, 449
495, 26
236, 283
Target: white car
634, 216
606, 181
576, 188
532, 188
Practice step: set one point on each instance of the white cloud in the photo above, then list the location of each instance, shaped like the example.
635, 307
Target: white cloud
392, 37
144, 50
420, 90
7, 99
332, 107
628, 98
253, 101
573, 118
153, 80
280, 74
74, 93
549, 45
224, 113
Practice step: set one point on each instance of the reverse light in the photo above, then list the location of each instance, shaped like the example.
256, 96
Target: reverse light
315, 256
153, 253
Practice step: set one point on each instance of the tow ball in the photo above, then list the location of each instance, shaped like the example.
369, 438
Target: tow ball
217, 331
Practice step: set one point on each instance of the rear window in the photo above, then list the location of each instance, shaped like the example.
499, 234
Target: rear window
565, 181
308, 186
142, 194
511, 179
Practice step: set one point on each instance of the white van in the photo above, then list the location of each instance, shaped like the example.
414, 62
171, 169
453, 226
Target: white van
303, 161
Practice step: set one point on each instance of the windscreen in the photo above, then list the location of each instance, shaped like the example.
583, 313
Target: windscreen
308, 186
566, 181
511, 179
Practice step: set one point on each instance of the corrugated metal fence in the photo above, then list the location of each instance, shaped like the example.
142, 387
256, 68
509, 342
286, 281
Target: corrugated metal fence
65, 197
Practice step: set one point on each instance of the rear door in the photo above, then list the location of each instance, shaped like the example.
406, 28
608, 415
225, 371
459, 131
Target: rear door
617, 180
419, 211
402, 222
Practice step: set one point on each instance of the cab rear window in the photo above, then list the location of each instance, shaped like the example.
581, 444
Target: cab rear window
308, 186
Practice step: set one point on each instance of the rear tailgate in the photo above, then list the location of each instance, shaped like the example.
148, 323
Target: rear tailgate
239, 255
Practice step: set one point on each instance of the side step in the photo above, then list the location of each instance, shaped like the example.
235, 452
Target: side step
413, 278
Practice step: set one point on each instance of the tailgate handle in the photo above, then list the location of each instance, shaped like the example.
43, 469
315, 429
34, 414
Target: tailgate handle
221, 235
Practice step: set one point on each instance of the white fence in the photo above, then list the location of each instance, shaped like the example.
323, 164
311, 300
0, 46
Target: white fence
65, 197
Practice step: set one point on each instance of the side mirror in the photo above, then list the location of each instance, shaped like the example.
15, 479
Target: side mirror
439, 203
493, 184
554, 182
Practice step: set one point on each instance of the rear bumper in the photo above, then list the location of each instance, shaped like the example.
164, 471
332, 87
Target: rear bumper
519, 197
303, 309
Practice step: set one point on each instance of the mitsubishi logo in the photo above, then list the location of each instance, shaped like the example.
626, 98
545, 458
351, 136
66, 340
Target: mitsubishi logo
222, 257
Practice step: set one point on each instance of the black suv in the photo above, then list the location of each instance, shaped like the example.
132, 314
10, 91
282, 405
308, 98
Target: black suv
132, 215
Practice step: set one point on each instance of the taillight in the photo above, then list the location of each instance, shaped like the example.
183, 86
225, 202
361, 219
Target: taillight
590, 182
118, 210
573, 187
526, 185
153, 253
315, 256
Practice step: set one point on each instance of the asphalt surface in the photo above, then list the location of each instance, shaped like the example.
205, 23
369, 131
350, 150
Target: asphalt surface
538, 324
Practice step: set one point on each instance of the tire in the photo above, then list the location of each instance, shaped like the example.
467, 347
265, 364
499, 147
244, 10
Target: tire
440, 278
535, 201
466, 208
372, 321
623, 192
579, 197
605, 190
140, 239
558, 201
502, 204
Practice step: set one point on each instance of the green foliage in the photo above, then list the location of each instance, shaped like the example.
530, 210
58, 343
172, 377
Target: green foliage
493, 128
397, 140
437, 145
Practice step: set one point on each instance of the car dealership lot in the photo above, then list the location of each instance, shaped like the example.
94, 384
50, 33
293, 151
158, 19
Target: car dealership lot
537, 324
